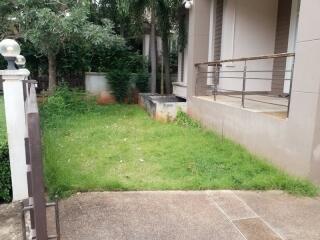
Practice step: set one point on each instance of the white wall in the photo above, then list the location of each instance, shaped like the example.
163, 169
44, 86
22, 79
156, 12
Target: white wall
96, 82
185, 67
249, 28
293, 31
146, 45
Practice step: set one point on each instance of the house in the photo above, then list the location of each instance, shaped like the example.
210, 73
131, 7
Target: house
251, 72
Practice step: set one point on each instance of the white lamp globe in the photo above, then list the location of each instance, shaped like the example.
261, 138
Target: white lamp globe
20, 60
188, 4
9, 48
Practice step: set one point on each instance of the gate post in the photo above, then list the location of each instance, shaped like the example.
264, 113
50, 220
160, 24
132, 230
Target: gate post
16, 129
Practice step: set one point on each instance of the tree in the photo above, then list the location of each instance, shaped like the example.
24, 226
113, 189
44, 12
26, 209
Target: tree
166, 10
48, 25
138, 10
161, 14
7, 26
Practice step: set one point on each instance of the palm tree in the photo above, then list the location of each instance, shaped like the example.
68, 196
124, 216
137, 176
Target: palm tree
161, 15
139, 9
166, 10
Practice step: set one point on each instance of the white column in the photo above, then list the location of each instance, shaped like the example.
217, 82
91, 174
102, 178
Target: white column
305, 101
16, 129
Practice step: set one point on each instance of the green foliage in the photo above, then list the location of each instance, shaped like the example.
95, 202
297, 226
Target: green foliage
185, 121
119, 81
125, 69
6, 24
48, 27
141, 81
181, 27
3, 63
63, 101
5, 177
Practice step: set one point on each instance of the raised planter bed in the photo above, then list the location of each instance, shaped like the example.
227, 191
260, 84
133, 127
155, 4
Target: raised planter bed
162, 107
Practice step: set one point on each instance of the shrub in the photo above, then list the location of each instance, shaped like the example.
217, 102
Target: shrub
184, 120
63, 101
140, 80
5, 174
126, 72
119, 81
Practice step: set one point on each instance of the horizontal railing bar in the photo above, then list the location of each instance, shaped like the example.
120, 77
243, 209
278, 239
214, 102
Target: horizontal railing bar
262, 57
268, 79
264, 94
264, 79
30, 81
254, 100
239, 92
276, 104
253, 71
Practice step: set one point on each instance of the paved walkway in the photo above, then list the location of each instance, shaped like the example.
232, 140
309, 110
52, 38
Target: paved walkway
221, 215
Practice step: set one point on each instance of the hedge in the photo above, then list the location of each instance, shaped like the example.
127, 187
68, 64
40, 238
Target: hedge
5, 175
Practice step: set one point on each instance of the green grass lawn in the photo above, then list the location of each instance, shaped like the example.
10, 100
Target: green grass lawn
119, 147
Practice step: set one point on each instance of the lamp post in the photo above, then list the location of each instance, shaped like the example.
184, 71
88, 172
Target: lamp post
20, 61
188, 3
13, 92
10, 49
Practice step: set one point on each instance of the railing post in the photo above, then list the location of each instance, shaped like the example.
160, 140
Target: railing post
215, 83
16, 129
290, 88
37, 181
244, 84
197, 81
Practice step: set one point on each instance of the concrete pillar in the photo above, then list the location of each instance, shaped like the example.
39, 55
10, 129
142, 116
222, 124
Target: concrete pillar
16, 129
198, 43
305, 105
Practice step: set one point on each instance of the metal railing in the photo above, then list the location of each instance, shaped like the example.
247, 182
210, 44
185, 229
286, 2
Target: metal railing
238, 78
36, 205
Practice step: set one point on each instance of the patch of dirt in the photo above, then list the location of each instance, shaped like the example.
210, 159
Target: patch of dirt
10, 221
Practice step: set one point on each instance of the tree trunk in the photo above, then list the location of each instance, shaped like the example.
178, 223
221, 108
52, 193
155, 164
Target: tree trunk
52, 72
166, 65
153, 53
122, 30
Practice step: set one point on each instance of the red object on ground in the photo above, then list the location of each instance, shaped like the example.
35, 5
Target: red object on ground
105, 98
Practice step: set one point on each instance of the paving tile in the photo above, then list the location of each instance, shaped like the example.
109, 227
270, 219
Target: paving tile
294, 218
233, 207
256, 229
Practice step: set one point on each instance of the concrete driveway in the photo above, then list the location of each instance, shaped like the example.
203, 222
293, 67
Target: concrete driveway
221, 215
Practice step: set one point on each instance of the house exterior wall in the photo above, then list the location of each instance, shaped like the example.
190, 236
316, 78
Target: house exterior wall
281, 45
183, 66
218, 24
292, 144
179, 88
146, 45
306, 83
198, 41
249, 28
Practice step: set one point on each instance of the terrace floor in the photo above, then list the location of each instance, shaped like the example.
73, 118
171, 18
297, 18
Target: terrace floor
256, 103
